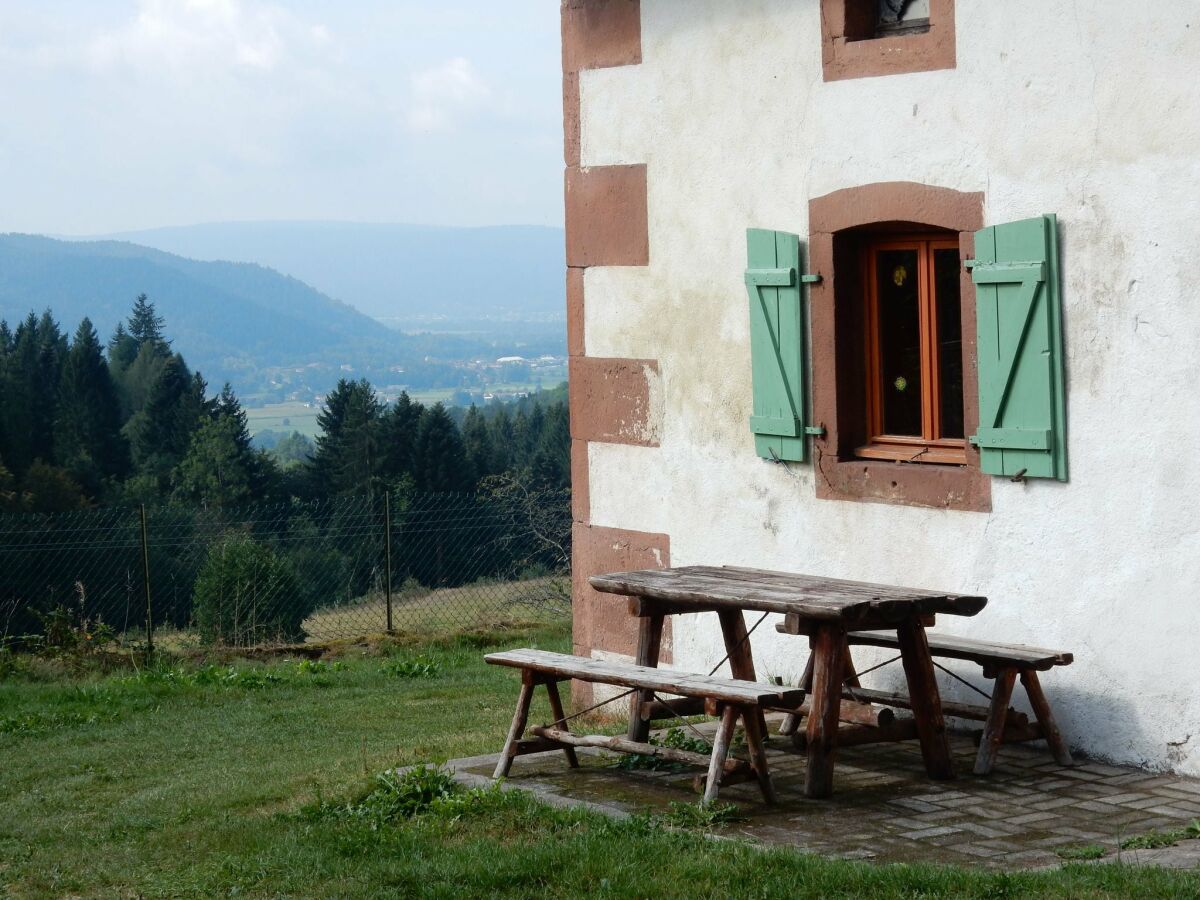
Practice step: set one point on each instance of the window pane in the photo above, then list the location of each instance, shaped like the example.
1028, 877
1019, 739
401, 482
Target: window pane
900, 341
949, 317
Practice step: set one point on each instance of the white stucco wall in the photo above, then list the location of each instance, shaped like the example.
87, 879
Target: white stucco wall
1055, 106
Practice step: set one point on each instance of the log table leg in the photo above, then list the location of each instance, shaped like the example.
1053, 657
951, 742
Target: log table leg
993, 729
720, 750
791, 722
560, 720
520, 718
737, 646
926, 702
824, 705
1041, 709
650, 630
755, 735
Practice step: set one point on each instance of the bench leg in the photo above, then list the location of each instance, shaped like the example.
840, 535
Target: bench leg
824, 706
993, 729
1041, 709
791, 722
737, 646
720, 750
758, 753
926, 702
560, 720
520, 718
650, 630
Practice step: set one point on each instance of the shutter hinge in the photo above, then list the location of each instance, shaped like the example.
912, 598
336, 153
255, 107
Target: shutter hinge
970, 263
815, 430
815, 278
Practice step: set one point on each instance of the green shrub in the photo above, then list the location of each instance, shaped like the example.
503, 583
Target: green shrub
246, 595
415, 667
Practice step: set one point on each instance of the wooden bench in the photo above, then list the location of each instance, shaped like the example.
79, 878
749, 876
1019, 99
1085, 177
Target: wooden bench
729, 698
1003, 663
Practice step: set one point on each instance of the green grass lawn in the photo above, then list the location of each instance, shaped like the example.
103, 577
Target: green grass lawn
248, 780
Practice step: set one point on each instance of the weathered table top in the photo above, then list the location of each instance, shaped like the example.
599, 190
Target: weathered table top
805, 596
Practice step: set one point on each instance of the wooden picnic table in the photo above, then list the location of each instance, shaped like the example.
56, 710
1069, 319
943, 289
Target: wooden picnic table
825, 610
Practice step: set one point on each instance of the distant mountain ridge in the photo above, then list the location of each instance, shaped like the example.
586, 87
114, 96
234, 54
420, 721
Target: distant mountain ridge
392, 272
223, 316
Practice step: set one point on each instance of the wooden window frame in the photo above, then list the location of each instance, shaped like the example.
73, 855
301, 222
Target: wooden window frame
838, 222
931, 447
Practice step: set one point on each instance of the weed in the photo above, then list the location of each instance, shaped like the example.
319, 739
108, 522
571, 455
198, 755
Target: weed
700, 815
414, 667
394, 797
676, 739
1155, 840
1082, 852
318, 667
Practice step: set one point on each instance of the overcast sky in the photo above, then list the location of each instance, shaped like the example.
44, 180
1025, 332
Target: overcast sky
125, 114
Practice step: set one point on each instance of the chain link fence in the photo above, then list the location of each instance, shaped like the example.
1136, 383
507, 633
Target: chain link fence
340, 568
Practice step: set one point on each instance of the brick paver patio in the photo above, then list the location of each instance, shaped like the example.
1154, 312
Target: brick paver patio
885, 809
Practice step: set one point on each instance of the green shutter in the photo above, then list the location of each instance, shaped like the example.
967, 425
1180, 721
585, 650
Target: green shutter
1022, 409
777, 344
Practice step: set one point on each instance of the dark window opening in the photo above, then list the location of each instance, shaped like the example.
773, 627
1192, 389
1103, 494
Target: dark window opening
901, 356
867, 19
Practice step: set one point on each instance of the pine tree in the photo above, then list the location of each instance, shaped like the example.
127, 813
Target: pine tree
146, 326
217, 469
160, 434
477, 443
88, 427
551, 464
27, 410
122, 349
136, 381
500, 430
440, 460
347, 458
400, 436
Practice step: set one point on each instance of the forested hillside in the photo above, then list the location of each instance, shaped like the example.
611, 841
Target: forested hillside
86, 421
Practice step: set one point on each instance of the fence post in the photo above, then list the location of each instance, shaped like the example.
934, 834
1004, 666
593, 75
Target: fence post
146, 582
387, 555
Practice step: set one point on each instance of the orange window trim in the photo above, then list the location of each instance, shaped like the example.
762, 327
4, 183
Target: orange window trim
930, 447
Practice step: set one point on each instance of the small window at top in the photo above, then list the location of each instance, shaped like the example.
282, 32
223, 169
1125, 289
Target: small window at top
897, 17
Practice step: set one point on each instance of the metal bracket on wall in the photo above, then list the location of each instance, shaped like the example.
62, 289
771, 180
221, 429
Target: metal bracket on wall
810, 279
815, 430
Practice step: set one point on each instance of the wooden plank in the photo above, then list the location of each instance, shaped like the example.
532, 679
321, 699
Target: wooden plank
851, 712
825, 700
993, 729
1045, 718
926, 702
666, 681
716, 765
650, 631
816, 597
559, 736
973, 650
657, 710
952, 708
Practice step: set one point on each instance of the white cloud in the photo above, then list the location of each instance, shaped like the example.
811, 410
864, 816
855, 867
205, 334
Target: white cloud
204, 34
442, 94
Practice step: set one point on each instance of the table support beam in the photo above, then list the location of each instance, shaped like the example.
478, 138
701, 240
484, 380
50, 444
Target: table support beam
650, 629
926, 701
825, 702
